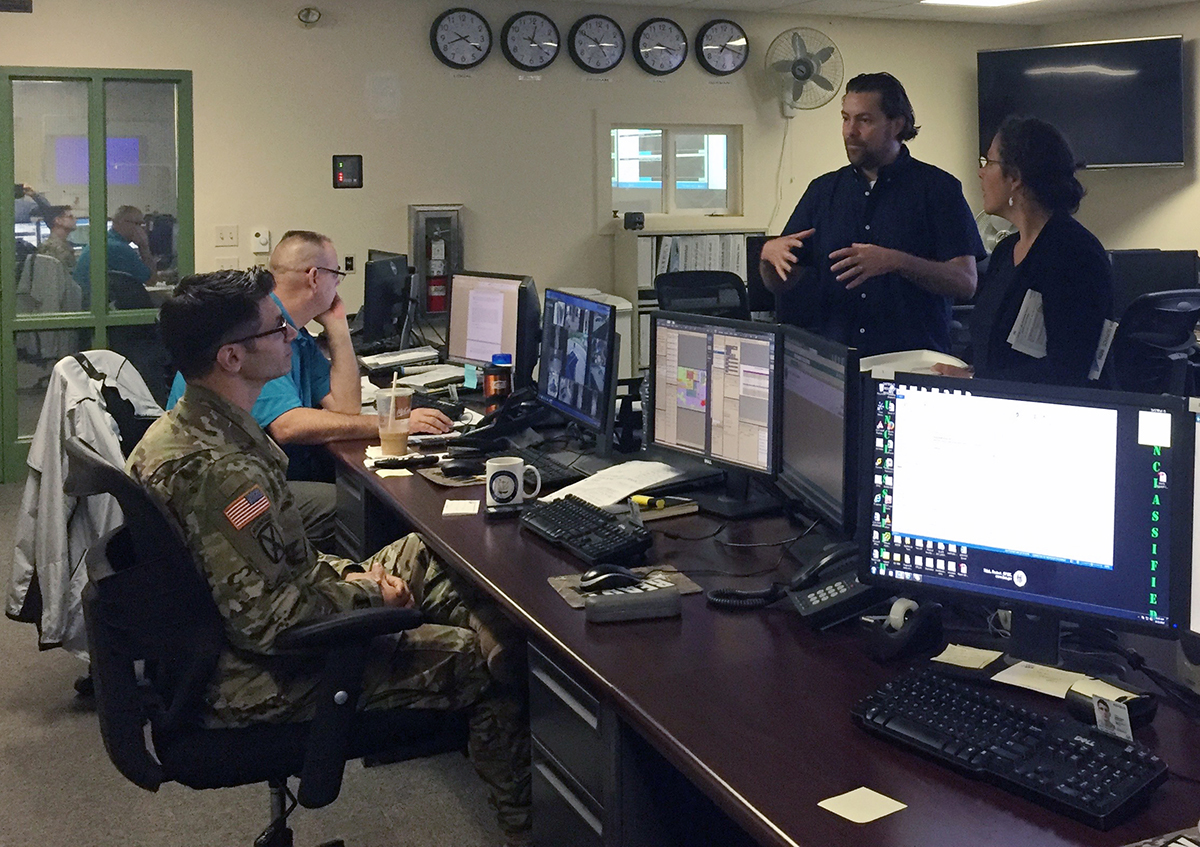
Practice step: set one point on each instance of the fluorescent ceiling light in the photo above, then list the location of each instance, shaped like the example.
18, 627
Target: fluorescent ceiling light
1094, 70
982, 4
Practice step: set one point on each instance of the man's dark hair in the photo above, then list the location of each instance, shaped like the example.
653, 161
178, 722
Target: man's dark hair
893, 99
18, 191
1039, 154
52, 213
206, 311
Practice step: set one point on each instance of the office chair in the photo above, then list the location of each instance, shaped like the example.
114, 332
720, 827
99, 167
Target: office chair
125, 292
720, 294
1154, 344
156, 635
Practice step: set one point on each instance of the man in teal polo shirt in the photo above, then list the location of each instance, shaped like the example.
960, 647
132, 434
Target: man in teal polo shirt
136, 261
320, 400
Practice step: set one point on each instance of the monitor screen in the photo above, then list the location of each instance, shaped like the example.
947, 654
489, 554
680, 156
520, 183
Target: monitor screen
1117, 102
713, 387
1061, 501
386, 286
494, 313
577, 376
819, 461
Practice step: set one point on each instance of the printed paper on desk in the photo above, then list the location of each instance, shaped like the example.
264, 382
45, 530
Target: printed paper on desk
862, 805
616, 483
1040, 678
1028, 334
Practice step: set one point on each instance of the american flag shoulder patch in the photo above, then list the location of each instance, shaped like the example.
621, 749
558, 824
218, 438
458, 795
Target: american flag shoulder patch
247, 507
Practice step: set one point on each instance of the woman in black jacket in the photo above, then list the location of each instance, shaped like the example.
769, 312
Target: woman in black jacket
1028, 178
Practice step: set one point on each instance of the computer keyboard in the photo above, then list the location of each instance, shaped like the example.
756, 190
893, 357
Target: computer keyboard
553, 472
1058, 763
587, 532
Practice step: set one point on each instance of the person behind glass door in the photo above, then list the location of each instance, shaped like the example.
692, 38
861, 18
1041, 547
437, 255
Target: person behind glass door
1028, 178
135, 262
58, 246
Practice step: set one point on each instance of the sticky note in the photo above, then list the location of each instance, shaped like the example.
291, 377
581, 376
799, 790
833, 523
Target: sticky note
470, 377
862, 805
1039, 678
967, 657
460, 507
387, 473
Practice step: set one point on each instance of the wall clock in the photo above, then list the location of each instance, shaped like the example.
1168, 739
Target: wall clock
660, 46
722, 47
596, 43
460, 38
530, 41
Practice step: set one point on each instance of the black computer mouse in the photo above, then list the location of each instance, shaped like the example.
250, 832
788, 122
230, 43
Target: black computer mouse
462, 467
605, 576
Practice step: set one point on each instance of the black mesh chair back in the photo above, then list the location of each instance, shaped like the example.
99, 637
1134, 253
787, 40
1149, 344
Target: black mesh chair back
1154, 344
720, 294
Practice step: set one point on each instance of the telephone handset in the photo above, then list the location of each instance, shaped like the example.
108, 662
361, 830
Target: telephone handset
831, 556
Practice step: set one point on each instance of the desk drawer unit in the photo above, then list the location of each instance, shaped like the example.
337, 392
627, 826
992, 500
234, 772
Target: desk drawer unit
573, 756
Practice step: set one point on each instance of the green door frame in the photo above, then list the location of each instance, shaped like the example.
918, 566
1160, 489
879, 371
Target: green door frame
13, 448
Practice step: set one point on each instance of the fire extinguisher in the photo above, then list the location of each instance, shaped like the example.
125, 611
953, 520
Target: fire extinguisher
435, 279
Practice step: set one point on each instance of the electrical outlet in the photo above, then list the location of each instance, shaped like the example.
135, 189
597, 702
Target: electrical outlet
228, 263
227, 236
348, 264
261, 240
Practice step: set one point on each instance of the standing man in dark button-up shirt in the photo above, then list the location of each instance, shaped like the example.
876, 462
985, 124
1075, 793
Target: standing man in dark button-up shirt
875, 253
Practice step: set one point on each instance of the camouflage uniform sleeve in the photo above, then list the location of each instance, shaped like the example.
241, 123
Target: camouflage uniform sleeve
249, 540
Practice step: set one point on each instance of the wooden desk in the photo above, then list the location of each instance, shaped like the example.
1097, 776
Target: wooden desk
753, 708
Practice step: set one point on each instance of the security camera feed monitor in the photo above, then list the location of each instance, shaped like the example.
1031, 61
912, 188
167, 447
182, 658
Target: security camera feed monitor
714, 389
577, 367
483, 317
1029, 496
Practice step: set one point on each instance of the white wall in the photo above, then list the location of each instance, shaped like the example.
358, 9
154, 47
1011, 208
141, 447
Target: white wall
274, 101
1144, 207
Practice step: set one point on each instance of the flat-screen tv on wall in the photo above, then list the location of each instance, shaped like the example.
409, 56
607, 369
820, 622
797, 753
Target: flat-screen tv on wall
1119, 103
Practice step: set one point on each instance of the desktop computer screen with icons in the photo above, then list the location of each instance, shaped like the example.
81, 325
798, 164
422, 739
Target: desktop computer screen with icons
1056, 503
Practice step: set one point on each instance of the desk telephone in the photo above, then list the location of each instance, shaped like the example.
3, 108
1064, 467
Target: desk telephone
825, 592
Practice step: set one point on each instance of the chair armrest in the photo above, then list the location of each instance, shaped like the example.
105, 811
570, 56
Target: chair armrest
347, 627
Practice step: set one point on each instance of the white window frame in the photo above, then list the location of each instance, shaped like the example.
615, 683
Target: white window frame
733, 168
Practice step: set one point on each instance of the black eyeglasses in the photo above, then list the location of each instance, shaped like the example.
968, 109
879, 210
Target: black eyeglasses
282, 329
340, 274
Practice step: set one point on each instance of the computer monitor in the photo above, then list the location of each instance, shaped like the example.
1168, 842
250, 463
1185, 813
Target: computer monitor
758, 295
494, 313
714, 394
577, 375
1054, 503
387, 284
820, 444
1138, 272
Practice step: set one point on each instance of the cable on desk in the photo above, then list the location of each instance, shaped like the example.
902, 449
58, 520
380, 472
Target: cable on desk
751, 544
674, 536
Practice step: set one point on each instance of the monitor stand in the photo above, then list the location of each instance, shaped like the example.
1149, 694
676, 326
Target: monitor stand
1035, 638
739, 498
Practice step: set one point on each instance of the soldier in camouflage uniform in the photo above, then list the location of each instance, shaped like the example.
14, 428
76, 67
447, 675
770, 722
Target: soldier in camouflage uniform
223, 479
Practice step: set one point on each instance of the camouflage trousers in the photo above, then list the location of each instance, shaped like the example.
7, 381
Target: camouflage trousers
443, 665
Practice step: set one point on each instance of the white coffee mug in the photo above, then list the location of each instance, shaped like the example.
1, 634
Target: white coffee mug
507, 478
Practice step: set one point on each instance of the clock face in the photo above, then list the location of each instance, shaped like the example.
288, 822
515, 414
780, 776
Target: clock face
461, 38
661, 46
596, 43
721, 47
530, 41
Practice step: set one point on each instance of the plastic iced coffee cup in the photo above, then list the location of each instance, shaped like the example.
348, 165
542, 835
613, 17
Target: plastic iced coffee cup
393, 405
